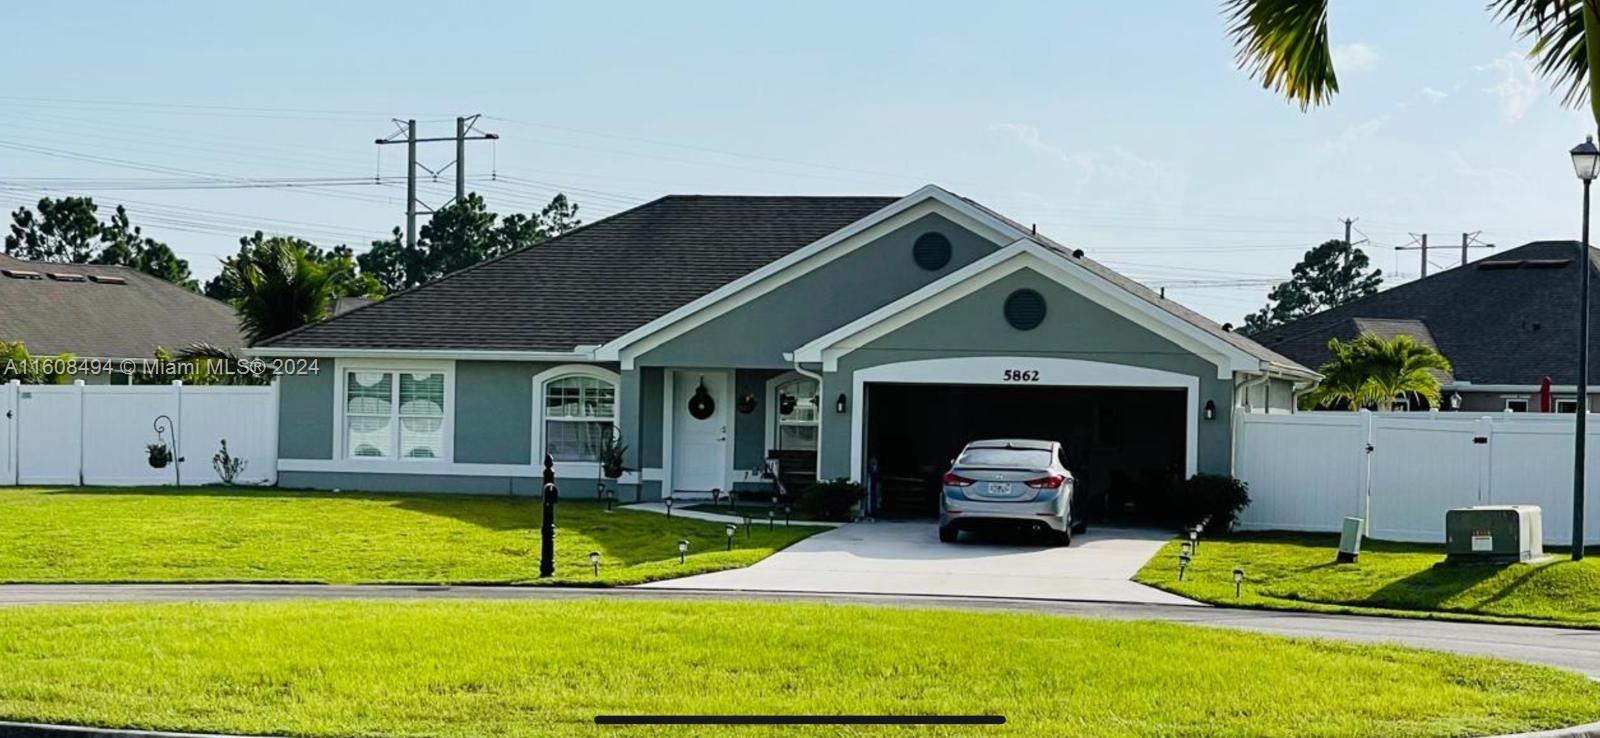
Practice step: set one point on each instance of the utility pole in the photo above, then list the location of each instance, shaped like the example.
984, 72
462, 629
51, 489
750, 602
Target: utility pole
406, 133
1348, 224
1419, 242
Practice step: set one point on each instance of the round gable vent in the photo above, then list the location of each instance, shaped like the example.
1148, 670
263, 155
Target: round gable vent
1025, 310
931, 251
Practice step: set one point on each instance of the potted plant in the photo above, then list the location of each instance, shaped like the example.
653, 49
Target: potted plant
612, 452
160, 455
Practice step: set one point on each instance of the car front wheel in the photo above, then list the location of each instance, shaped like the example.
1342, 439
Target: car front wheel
948, 534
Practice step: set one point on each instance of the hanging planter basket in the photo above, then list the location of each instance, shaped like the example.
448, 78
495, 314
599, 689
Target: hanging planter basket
160, 455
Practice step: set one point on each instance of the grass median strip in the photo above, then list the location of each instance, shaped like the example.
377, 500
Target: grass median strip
271, 535
1296, 571
448, 669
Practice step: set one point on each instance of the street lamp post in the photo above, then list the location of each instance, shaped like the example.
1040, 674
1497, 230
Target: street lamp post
1586, 163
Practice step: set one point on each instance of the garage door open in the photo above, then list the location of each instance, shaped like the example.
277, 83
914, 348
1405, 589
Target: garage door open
1123, 444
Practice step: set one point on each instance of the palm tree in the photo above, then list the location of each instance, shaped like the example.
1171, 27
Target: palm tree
279, 288
1368, 371
1284, 44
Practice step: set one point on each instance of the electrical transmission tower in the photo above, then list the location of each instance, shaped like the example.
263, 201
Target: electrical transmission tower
1419, 242
406, 133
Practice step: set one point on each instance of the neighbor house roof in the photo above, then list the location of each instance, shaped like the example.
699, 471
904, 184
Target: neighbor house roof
1509, 319
107, 312
613, 276
594, 283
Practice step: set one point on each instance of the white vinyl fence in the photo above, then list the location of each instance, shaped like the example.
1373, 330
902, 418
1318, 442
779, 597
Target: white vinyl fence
1401, 471
97, 435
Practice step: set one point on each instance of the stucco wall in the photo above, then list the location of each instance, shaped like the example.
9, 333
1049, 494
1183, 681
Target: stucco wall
305, 414
758, 333
1074, 328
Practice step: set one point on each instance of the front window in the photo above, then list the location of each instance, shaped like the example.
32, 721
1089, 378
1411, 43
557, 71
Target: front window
1517, 404
579, 414
390, 414
797, 403
1567, 406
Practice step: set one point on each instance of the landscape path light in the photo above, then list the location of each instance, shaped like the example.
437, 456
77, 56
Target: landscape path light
1238, 580
683, 550
731, 530
594, 561
668, 502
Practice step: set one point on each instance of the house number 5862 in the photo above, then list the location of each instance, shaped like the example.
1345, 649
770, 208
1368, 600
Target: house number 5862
1021, 375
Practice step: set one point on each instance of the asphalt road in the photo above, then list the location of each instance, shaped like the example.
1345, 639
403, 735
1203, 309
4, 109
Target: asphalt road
1568, 648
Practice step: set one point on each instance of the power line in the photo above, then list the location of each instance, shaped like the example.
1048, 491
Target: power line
407, 133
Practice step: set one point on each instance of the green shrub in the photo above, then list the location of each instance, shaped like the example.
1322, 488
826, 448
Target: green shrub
1213, 499
835, 500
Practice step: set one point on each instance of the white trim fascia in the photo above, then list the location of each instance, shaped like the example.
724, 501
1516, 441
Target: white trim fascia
581, 353
342, 366
928, 199
1025, 253
1470, 387
536, 441
564, 469
989, 370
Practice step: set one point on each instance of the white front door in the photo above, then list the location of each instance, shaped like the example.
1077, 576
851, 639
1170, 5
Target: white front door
701, 428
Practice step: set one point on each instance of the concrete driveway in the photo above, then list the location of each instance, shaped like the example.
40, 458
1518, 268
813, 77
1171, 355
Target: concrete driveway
906, 558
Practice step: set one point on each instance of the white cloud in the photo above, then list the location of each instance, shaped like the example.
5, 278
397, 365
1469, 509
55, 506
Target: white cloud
1434, 95
1517, 88
1029, 136
1356, 57
1354, 134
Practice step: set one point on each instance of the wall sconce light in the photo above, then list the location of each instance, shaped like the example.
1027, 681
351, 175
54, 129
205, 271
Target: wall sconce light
841, 404
1211, 410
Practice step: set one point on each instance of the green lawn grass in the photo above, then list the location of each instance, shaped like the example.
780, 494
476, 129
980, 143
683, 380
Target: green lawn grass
1297, 572
272, 535
473, 669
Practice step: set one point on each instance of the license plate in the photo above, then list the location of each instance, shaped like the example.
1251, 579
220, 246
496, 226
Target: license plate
999, 488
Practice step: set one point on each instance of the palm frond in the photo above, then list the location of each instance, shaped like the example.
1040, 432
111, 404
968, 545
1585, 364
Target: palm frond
1284, 44
1559, 51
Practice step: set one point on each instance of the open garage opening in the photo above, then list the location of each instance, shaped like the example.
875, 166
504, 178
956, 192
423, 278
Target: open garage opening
1123, 445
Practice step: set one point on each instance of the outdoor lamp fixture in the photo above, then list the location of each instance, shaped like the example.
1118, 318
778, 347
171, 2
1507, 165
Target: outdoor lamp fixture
841, 404
1211, 410
1586, 164
1194, 539
1186, 550
611, 498
683, 550
1238, 581
772, 517
1455, 400
1183, 564
594, 561
786, 510
668, 502
732, 529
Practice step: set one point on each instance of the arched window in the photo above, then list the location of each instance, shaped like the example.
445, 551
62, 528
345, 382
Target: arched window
580, 411
797, 404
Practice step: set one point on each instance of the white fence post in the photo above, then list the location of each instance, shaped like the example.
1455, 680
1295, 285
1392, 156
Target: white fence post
8, 442
77, 386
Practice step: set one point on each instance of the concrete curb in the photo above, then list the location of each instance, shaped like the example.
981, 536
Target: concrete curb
9, 729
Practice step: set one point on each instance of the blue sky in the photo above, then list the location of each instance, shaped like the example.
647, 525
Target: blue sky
1122, 128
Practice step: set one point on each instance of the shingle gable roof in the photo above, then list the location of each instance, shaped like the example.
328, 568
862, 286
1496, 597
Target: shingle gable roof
1241, 342
594, 283
1507, 319
110, 321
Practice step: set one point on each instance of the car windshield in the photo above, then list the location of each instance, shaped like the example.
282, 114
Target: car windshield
1011, 458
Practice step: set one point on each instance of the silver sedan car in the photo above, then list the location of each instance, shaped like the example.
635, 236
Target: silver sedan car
1008, 483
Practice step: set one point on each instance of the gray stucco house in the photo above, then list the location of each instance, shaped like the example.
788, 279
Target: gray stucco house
868, 336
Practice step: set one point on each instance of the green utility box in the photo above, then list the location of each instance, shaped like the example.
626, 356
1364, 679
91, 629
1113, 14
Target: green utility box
1493, 534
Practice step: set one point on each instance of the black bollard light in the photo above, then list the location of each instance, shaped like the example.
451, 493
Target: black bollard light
547, 528
731, 530
683, 550
1238, 581
668, 502
594, 561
